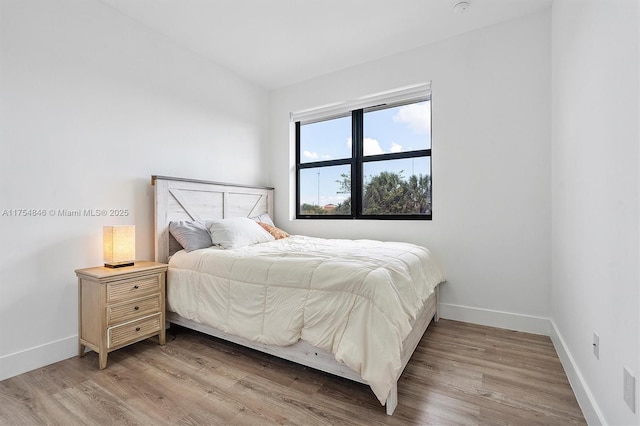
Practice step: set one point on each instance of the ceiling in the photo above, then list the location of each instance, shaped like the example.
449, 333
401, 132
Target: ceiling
275, 43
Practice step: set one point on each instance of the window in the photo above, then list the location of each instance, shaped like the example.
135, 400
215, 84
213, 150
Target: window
369, 159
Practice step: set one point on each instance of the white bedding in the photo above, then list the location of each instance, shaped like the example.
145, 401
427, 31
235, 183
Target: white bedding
354, 298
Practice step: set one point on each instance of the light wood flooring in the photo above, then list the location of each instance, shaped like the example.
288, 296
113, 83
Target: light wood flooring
460, 374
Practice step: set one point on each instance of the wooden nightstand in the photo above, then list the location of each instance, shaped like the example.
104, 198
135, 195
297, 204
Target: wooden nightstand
120, 306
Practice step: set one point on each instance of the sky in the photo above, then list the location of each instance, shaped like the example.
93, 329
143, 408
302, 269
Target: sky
396, 129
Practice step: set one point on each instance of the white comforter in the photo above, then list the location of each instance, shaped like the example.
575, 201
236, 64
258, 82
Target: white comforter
354, 298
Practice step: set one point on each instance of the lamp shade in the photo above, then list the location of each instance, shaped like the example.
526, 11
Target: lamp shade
119, 245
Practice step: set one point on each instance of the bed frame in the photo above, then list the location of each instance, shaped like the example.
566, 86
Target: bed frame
188, 199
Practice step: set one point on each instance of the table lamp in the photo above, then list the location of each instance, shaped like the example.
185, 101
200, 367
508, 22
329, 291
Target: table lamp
119, 245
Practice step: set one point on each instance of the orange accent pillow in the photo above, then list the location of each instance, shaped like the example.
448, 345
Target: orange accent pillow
276, 232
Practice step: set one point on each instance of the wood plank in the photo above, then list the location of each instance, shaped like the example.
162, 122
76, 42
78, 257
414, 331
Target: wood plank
460, 374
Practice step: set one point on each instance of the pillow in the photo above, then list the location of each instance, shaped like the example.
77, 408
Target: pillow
277, 233
237, 232
192, 235
264, 218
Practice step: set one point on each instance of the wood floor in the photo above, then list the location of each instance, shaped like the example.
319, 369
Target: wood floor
460, 374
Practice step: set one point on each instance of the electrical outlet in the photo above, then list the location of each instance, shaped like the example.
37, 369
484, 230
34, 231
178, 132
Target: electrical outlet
596, 345
629, 393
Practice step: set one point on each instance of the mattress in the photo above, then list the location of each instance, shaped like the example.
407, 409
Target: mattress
353, 298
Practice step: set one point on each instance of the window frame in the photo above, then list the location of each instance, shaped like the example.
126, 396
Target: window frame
358, 160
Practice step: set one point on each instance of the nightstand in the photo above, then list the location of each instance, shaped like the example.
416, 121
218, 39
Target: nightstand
120, 306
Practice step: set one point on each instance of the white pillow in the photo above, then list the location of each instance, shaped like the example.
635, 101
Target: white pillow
237, 232
264, 218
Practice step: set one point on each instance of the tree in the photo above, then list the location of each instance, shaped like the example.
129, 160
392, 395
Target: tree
386, 193
419, 194
312, 209
390, 193
345, 188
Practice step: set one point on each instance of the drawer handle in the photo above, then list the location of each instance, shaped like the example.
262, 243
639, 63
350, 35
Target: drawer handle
135, 287
137, 328
136, 308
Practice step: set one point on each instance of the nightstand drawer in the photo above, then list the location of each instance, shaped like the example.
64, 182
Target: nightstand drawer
133, 309
133, 288
133, 331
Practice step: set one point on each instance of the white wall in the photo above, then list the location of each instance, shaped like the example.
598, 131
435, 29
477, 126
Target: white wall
91, 105
491, 166
595, 200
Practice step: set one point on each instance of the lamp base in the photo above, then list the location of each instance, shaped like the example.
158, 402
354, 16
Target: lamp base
118, 265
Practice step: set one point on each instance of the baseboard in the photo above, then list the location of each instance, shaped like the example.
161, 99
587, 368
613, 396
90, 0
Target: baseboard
586, 401
488, 317
38, 356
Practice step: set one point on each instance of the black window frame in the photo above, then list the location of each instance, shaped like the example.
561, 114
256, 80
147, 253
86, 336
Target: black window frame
357, 161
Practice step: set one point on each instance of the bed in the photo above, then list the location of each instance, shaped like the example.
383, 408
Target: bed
298, 298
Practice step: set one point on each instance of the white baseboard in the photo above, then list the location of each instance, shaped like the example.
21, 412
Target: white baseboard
488, 317
586, 401
36, 357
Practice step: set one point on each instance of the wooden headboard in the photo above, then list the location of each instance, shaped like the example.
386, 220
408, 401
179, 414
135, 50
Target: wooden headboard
189, 199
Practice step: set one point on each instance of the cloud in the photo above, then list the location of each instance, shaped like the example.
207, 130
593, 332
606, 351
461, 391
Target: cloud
415, 116
371, 146
309, 154
395, 147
